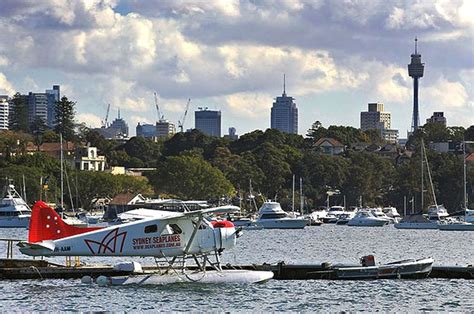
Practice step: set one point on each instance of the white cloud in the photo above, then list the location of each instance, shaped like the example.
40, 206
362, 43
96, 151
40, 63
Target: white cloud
5, 86
249, 105
446, 94
91, 120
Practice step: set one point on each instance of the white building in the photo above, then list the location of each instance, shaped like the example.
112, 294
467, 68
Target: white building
165, 128
87, 159
4, 112
377, 119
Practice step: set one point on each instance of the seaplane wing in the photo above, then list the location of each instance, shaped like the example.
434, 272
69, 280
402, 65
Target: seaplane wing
159, 235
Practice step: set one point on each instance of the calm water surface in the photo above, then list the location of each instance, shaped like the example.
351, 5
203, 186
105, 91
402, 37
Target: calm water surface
312, 245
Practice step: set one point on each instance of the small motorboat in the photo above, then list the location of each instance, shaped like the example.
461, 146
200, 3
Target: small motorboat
366, 218
409, 268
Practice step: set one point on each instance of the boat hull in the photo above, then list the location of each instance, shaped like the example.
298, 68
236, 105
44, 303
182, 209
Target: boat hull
208, 277
367, 223
413, 269
283, 223
416, 225
456, 227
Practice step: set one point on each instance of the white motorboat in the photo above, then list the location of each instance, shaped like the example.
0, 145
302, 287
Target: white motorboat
14, 212
271, 216
410, 268
379, 213
365, 218
333, 214
392, 212
466, 225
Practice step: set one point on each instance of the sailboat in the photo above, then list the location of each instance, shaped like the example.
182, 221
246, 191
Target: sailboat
70, 220
468, 223
436, 213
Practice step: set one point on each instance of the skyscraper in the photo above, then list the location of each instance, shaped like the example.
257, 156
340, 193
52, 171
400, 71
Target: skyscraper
4, 112
377, 119
284, 114
437, 117
42, 105
415, 70
208, 121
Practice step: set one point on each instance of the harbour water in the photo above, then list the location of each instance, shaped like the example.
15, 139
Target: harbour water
312, 245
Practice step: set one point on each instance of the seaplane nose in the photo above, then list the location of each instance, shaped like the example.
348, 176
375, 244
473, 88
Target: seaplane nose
222, 224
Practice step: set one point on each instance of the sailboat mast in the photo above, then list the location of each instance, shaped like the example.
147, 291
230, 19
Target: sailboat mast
464, 173
422, 183
62, 175
293, 197
431, 181
301, 196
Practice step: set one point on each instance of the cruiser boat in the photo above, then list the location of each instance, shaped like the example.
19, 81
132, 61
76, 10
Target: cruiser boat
392, 213
366, 218
14, 212
271, 216
420, 221
466, 225
379, 213
333, 214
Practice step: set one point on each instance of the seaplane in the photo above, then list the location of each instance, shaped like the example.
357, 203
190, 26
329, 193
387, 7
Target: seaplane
187, 243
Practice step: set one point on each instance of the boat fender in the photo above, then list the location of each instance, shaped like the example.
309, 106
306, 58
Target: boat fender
103, 281
86, 279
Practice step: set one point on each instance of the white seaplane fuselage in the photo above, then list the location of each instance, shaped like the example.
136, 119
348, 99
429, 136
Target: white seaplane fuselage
167, 234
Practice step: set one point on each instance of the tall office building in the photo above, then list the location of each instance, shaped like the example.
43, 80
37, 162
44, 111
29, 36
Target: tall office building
146, 130
119, 127
284, 114
376, 119
415, 70
165, 128
4, 112
42, 105
437, 117
208, 121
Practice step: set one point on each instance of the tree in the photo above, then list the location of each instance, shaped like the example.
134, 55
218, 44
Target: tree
19, 114
64, 118
38, 128
190, 177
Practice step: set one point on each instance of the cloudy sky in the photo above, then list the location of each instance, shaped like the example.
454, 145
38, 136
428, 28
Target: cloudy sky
230, 55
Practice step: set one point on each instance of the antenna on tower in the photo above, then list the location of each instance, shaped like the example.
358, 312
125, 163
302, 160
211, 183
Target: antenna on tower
119, 113
284, 84
416, 44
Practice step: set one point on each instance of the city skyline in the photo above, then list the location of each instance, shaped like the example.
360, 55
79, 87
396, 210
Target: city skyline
338, 56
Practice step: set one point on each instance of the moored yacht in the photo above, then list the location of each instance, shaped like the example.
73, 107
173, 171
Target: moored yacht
392, 213
366, 218
333, 214
272, 216
14, 212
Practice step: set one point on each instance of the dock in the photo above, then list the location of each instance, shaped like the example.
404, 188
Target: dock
41, 269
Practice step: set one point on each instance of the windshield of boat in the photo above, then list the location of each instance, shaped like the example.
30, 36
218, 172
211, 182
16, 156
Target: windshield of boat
273, 216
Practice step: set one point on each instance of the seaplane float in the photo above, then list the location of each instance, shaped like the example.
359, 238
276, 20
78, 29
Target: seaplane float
187, 244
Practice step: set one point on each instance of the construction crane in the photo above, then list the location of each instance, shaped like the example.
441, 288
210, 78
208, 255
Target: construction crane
105, 122
181, 122
160, 117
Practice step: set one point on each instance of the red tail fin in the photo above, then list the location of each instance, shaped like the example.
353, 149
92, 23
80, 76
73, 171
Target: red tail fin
46, 224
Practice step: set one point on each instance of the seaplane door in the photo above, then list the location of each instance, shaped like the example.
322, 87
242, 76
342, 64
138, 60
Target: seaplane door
205, 235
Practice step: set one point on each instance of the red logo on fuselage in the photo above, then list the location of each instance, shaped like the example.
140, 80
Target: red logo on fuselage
111, 243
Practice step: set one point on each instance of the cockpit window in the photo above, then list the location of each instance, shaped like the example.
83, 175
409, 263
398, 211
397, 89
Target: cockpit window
151, 229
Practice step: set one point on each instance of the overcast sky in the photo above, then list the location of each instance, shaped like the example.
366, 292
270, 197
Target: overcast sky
230, 55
